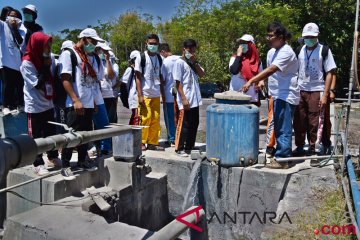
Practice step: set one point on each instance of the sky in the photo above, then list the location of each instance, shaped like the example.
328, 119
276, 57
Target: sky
56, 15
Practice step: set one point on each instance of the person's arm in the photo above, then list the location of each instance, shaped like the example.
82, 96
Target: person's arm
261, 76
138, 87
67, 83
328, 82
333, 87
235, 67
162, 89
183, 98
199, 71
109, 68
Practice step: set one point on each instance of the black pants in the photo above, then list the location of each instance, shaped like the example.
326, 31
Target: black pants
111, 104
12, 89
78, 123
39, 127
189, 121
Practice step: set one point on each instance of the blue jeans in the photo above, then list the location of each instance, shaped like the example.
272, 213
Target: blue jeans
283, 116
101, 120
170, 121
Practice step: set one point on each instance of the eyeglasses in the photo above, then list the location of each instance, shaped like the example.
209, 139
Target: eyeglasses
270, 36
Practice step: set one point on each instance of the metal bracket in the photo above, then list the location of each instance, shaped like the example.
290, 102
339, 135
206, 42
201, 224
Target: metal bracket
66, 127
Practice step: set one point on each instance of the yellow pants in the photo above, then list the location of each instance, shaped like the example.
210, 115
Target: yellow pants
150, 116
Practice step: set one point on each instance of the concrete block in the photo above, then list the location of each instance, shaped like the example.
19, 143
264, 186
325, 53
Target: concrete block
127, 147
63, 223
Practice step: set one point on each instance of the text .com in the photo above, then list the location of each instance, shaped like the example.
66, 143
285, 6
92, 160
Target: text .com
336, 230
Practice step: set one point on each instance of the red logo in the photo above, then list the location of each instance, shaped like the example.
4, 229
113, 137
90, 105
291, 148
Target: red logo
181, 217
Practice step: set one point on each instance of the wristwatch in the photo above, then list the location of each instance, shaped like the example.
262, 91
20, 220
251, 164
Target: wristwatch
333, 90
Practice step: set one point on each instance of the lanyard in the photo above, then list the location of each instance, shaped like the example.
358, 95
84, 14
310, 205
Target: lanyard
154, 66
308, 57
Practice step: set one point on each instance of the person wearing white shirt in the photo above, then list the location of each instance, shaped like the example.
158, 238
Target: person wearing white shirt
129, 80
38, 71
82, 92
168, 106
12, 36
187, 72
315, 78
149, 85
282, 74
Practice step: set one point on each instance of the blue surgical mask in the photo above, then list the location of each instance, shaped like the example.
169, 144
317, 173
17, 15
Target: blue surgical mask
245, 48
187, 55
102, 56
89, 48
152, 48
310, 42
28, 17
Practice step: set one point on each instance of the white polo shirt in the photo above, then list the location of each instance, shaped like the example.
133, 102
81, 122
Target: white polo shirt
283, 84
312, 67
167, 73
130, 84
10, 52
84, 88
150, 81
35, 100
238, 81
189, 80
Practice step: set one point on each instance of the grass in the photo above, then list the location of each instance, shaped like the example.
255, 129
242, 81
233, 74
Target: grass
331, 212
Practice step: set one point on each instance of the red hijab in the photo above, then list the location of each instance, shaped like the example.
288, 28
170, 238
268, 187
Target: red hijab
35, 49
250, 62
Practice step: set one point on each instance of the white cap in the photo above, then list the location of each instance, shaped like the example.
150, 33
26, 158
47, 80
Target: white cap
103, 46
247, 38
30, 7
134, 54
310, 29
67, 44
90, 33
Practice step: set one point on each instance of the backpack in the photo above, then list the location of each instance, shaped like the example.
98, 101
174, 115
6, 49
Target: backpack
124, 90
60, 93
143, 61
324, 53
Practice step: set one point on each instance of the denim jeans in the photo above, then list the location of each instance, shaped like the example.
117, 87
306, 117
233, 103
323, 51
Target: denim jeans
170, 121
283, 116
101, 120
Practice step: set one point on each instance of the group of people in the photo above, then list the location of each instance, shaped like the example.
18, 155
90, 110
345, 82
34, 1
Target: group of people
81, 88
301, 84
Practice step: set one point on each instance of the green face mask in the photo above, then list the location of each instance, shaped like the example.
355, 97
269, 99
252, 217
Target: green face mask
245, 48
28, 17
89, 48
310, 42
152, 48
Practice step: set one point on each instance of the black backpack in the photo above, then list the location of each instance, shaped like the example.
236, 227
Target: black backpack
60, 93
143, 61
124, 90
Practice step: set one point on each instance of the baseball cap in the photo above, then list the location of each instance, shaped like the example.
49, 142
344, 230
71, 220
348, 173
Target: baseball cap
310, 29
103, 46
30, 7
247, 38
134, 54
90, 33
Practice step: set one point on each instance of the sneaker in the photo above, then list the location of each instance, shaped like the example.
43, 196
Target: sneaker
155, 147
143, 147
87, 165
67, 174
53, 163
270, 151
41, 170
182, 153
92, 152
172, 144
299, 152
276, 165
6, 111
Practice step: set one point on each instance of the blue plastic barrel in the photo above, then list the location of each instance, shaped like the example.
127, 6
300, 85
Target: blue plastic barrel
232, 132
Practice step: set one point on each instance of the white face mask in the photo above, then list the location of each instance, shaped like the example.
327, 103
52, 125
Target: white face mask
187, 55
10, 20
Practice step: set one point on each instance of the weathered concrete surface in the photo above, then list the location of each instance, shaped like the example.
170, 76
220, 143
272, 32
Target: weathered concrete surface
249, 192
63, 223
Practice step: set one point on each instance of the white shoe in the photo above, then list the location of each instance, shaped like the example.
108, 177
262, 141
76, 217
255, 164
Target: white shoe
67, 174
6, 111
41, 170
182, 153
